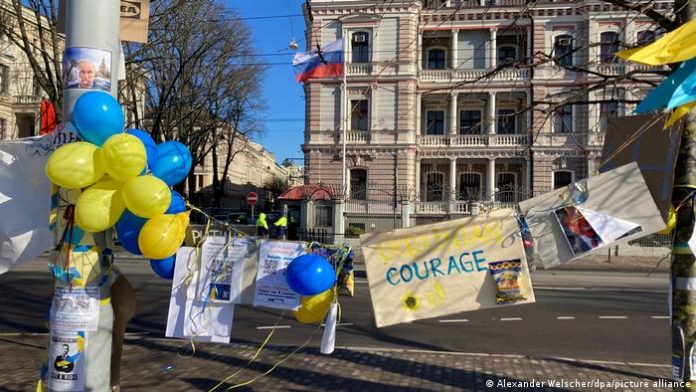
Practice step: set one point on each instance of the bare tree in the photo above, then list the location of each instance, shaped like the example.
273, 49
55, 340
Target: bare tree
195, 70
31, 25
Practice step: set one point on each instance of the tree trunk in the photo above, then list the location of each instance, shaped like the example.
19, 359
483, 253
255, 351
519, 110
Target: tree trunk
683, 268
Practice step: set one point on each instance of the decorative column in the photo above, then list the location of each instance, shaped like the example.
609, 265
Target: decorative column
418, 178
453, 179
455, 50
491, 113
491, 178
419, 51
453, 113
418, 114
494, 48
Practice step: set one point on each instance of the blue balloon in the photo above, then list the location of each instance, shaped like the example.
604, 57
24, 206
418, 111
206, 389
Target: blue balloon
97, 116
164, 268
127, 229
173, 162
310, 274
177, 205
150, 145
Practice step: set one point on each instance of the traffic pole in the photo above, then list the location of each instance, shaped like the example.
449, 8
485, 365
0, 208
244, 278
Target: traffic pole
94, 24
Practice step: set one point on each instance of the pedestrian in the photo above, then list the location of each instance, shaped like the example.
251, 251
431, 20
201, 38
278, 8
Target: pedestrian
262, 225
281, 226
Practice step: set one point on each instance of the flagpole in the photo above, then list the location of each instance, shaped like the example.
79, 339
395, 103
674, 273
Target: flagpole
345, 115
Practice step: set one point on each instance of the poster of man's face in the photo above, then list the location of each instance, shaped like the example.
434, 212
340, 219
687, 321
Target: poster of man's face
87, 68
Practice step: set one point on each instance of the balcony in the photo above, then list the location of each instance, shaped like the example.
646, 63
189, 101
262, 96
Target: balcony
448, 75
459, 207
372, 69
569, 139
492, 140
26, 100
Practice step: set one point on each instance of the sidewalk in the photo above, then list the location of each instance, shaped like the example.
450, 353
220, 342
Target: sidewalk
151, 364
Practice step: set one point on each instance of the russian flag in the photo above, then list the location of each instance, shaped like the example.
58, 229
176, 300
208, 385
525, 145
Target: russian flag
328, 63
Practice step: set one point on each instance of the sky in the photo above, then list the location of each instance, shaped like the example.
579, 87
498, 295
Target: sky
283, 119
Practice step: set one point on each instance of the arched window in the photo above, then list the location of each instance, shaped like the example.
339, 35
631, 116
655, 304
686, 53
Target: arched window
562, 178
434, 186
360, 45
507, 54
469, 186
563, 50
506, 187
358, 184
436, 58
608, 46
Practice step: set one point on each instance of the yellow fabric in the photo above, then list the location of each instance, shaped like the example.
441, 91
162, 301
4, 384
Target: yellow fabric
676, 46
282, 222
678, 113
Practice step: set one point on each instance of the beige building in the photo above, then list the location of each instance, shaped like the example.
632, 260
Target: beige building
438, 97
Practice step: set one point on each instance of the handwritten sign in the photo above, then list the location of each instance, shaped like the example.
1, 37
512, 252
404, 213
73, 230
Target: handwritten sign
441, 269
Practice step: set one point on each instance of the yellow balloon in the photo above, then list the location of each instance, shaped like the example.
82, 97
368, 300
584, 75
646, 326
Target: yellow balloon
162, 235
124, 156
146, 196
75, 165
313, 309
100, 206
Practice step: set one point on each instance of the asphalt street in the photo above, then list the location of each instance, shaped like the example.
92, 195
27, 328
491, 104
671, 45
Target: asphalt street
600, 316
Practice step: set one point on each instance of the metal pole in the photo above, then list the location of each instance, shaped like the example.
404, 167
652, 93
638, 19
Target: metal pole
95, 25
345, 113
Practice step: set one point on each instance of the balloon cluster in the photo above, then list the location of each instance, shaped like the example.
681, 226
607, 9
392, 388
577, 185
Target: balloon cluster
313, 277
126, 180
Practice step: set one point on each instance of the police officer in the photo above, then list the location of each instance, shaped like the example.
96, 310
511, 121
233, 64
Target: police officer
281, 226
262, 225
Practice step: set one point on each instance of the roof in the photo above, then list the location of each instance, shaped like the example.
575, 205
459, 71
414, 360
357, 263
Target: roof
314, 192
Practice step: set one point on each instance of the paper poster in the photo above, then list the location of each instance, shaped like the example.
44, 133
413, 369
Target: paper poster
75, 309
87, 68
222, 262
608, 227
190, 317
621, 194
25, 200
443, 268
66, 362
272, 289
653, 148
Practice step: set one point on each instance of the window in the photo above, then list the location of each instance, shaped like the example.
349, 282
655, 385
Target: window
607, 111
323, 216
608, 46
360, 45
470, 122
645, 37
506, 187
435, 123
506, 122
562, 178
358, 115
358, 184
4, 74
434, 186
436, 59
3, 129
469, 186
507, 54
563, 50
563, 119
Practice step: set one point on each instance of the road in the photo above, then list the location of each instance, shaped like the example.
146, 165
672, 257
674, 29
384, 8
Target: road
604, 316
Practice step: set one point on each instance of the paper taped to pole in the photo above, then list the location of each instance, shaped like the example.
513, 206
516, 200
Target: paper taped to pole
446, 268
564, 228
